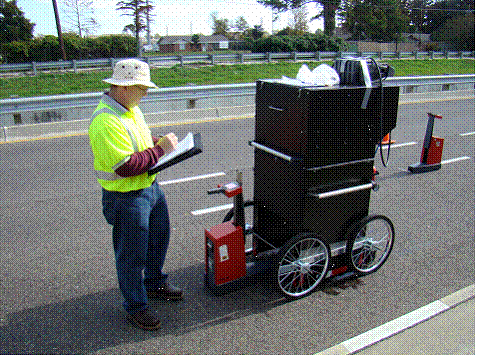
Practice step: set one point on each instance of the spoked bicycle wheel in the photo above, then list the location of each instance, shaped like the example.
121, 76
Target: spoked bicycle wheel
301, 265
370, 244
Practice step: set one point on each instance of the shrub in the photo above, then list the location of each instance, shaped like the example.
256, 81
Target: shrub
47, 48
304, 43
15, 51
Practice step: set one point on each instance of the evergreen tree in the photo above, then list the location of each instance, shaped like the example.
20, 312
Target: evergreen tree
139, 11
378, 20
13, 25
330, 8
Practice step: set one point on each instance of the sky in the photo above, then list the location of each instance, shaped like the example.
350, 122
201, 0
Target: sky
171, 17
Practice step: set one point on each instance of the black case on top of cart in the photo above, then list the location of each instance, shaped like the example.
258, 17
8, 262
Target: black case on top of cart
332, 133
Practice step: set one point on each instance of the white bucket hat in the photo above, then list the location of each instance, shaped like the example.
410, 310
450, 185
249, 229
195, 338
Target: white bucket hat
131, 72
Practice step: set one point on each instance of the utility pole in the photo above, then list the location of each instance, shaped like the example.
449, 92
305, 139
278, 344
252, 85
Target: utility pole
58, 29
148, 30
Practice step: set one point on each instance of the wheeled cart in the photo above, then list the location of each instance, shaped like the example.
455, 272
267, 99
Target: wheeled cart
314, 151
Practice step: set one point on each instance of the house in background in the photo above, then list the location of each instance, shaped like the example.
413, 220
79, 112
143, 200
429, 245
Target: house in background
179, 43
417, 41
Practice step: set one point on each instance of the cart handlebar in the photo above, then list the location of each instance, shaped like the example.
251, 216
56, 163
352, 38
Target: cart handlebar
219, 190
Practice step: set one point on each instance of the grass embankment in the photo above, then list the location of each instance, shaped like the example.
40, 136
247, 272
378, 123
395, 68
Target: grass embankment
46, 84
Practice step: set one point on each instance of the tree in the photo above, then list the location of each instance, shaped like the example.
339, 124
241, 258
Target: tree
139, 11
442, 10
298, 21
329, 7
417, 13
79, 17
241, 26
256, 32
13, 25
458, 32
219, 26
195, 40
379, 20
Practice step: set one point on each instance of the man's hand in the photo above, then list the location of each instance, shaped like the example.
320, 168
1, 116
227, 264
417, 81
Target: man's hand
168, 143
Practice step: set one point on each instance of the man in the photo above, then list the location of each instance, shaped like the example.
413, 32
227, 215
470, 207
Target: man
133, 202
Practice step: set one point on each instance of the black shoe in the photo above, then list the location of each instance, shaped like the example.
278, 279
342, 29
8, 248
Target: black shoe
146, 319
167, 292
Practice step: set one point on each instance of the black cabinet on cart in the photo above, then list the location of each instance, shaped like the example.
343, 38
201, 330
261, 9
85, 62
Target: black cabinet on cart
327, 136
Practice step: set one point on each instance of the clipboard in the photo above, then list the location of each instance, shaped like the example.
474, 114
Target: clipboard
190, 146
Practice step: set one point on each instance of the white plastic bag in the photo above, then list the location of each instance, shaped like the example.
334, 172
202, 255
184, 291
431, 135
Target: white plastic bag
304, 74
322, 75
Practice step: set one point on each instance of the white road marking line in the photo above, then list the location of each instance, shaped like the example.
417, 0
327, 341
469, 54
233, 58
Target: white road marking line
229, 206
454, 160
444, 162
211, 210
199, 177
465, 134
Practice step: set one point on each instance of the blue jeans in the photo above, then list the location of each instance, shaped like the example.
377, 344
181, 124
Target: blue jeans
140, 222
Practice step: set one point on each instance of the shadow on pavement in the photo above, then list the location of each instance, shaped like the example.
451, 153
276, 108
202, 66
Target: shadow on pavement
93, 322
96, 321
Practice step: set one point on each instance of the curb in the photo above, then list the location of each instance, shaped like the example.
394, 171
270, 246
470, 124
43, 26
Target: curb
400, 324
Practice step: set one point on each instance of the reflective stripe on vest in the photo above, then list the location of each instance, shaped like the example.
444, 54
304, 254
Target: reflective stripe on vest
107, 175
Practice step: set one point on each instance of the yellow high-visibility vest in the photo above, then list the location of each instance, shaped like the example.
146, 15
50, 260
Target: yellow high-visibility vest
115, 134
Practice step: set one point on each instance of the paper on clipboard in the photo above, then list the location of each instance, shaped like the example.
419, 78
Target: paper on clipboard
188, 147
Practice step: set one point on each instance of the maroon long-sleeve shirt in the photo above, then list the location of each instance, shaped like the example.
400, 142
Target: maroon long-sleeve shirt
140, 162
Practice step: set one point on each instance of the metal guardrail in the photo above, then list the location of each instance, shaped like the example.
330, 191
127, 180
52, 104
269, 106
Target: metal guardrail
226, 57
18, 105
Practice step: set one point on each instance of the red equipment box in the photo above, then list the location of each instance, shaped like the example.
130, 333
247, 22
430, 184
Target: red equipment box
225, 254
434, 151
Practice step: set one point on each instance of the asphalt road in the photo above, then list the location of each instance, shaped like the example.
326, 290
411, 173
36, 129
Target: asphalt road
59, 292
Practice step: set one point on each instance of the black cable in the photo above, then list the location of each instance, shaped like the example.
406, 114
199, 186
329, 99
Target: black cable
381, 118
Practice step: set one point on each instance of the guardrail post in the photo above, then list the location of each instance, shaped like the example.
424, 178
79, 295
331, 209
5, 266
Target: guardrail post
211, 57
294, 56
415, 53
431, 55
75, 70
112, 62
181, 60
17, 118
269, 57
399, 55
460, 54
445, 53
34, 68
241, 58
318, 56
